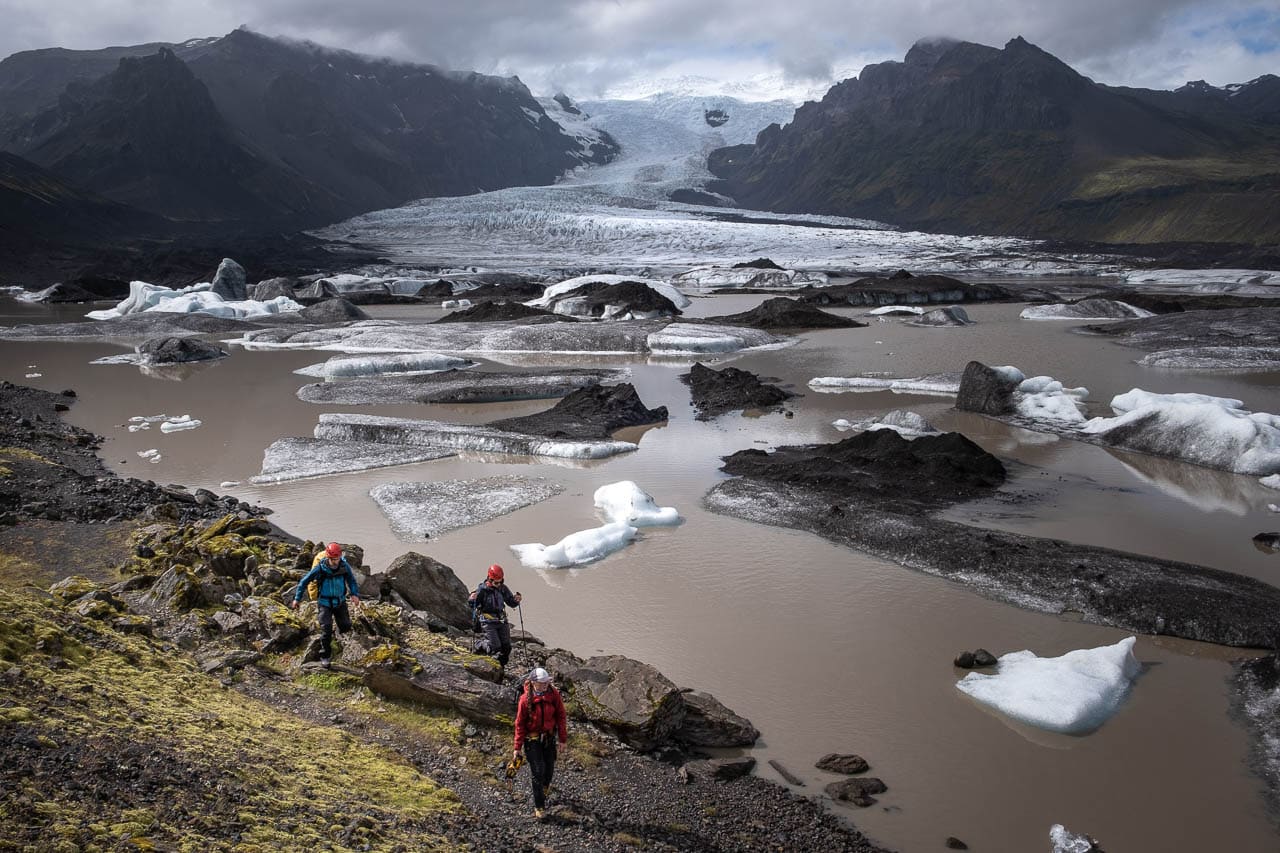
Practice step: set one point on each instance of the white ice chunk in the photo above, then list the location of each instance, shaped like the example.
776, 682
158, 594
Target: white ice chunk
749, 277
1086, 309
1271, 481
180, 423
679, 338
1273, 507
196, 299
907, 424
896, 309
1066, 841
422, 511
228, 484
34, 375
123, 358
945, 384
553, 293
1010, 373
472, 437
300, 458
455, 303
585, 546
1073, 694
370, 365
627, 502
1043, 398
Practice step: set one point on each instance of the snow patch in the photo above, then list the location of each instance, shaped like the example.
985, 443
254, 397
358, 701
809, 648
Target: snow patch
1073, 694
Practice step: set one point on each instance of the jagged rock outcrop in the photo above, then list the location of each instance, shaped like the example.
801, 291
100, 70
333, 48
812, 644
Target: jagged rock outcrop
429, 585
707, 722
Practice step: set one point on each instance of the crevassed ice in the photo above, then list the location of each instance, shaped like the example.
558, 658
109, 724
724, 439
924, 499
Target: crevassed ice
348, 366
585, 546
478, 438
626, 502
1073, 694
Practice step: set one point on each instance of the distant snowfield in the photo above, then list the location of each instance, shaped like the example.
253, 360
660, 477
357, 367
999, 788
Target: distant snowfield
620, 216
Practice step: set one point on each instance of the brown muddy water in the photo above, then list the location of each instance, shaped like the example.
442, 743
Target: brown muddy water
824, 648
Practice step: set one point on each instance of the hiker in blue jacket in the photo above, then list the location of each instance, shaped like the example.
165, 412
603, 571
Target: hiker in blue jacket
489, 603
336, 580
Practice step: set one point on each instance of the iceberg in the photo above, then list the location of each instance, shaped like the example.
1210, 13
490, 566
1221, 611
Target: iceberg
196, 299
585, 546
372, 365
624, 501
700, 338
179, 423
423, 511
896, 309
301, 458
1043, 398
944, 384
1072, 694
1271, 481
716, 277
1086, 309
552, 297
471, 437
906, 424
1066, 841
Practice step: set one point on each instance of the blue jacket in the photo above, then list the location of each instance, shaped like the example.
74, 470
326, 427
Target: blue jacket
334, 584
489, 601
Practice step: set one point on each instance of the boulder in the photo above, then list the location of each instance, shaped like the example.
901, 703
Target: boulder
1267, 542
280, 627
723, 769
177, 589
982, 657
986, 390
336, 310
952, 315
707, 722
630, 699
64, 292
229, 281
846, 764
316, 291
272, 288
429, 585
856, 789
437, 682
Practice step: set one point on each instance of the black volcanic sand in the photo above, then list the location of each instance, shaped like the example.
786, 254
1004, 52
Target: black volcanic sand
906, 289
496, 312
588, 414
783, 313
875, 498
454, 386
715, 392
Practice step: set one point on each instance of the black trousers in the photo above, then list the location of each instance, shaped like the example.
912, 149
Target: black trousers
498, 633
541, 752
327, 616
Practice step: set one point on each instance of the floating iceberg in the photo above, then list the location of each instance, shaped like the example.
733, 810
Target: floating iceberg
1086, 309
1073, 694
1043, 398
179, 423
300, 458
151, 455
896, 309
1066, 841
749, 277
371, 365
945, 384
422, 511
907, 424
700, 338
626, 502
1271, 481
196, 299
478, 438
553, 297
585, 546
451, 304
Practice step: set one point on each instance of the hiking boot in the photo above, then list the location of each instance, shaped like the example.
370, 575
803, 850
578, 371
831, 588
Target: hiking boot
326, 663
538, 813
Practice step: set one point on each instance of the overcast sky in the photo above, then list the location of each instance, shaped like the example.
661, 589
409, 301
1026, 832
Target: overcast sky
593, 47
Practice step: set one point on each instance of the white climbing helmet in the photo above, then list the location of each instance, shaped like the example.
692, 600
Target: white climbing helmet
540, 675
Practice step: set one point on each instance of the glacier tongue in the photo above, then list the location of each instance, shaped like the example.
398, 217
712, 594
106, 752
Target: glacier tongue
438, 434
422, 511
300, 458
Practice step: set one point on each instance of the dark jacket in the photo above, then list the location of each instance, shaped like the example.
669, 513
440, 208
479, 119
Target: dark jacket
490, 600
334, 583
539, 715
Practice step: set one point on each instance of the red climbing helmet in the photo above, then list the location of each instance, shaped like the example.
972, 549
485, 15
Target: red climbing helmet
334, 550
495, 572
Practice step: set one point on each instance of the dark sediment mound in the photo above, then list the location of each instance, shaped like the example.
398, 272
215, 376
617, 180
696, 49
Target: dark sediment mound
64, 292
715, 392
497, 285
337, 310
588, 414
1108, 587
759, 264
929, 471
178, 350
454, 386
783, 313
604, 301
438, 289
497, 312
913, 290
273, 288
699, 197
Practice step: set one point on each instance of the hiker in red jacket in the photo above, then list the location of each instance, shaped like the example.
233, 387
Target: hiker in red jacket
540, 718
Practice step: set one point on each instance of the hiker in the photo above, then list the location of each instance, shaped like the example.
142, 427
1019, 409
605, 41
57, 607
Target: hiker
540, 718
335, 581
489, 604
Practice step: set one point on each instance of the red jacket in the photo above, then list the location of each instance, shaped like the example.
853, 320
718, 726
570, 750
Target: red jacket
537, 715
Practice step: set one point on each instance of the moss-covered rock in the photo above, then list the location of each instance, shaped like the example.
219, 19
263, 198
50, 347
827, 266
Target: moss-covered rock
76, 586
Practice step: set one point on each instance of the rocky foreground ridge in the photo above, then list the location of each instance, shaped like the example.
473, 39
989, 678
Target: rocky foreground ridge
164, 696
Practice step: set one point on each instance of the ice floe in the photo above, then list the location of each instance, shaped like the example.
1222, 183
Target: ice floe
944, 384
904, 423
585, 546
553, 297
1085, 309
1066, 841
196, 299
716, 277
626, 502
1043, 398
1073, 694
1214, 358
699, 338
896, 309
179, 423
470, 437
422, 511
151, 455
123, 358
451, 304
302, 457
371, 365
456, 386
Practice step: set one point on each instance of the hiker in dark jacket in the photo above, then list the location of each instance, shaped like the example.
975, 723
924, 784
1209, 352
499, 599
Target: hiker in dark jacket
336, 580
490, 601
540, 718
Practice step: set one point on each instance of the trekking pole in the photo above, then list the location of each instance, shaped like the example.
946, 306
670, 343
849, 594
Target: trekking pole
520, 610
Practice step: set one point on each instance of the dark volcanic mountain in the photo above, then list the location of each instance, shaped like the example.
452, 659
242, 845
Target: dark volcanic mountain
964, 137
249, 128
